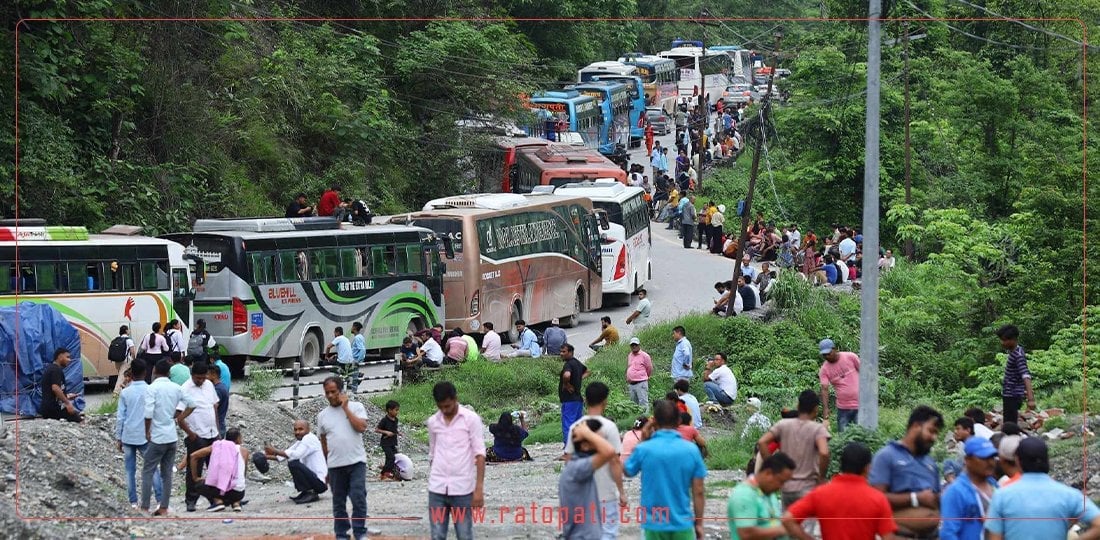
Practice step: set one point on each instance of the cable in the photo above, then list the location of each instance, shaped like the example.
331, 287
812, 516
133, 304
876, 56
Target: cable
1028, 26
973, 36
768, 162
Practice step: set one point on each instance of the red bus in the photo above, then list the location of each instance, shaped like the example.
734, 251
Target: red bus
558, 164
493, 164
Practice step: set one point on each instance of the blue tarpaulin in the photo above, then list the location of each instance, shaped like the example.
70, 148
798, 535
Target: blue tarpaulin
42, 330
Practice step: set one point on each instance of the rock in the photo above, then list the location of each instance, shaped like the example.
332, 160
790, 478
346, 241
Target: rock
1054, 433
9, 477
1054, 412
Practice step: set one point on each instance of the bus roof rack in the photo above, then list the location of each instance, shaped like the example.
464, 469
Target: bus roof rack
262, 224
23, 222
123, 230
52, 233
487, 201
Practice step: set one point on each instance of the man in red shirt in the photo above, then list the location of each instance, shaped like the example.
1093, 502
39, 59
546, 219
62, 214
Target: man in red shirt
841, 371
848, 508
330, 200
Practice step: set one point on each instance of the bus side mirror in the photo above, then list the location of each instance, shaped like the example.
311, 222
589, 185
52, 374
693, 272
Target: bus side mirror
604, 223
199, 269
448, 246
192, 293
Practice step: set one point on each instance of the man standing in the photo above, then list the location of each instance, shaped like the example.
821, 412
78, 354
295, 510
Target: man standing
806, 441
609, 335
340, 428
214, 375
122, 352
841, 371
847, 247
688, 217
1013, 509
456, 456
554, 337
342, 345
358, 343
200, 343
163, 399
130, 429
573, 373
179, 373
640, 316
905, 471
846, 507
201, 426
720, 384
306, 463
639, 367
1017, 380
671, 468
299, 207
490, 343
57, 404
578, 486
609, 478
753, 508
966, 500
682, 355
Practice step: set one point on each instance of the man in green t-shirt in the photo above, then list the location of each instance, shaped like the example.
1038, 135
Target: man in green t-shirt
754, 508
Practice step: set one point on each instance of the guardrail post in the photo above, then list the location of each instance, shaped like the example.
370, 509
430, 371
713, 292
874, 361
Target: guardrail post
399, 375
297, 371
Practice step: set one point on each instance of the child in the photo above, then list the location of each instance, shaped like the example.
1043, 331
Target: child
387, 427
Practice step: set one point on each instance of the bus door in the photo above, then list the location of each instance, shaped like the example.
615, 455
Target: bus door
595, 257
182, 296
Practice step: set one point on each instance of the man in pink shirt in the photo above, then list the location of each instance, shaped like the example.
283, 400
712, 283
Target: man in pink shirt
456, 456
841, 371
638, 369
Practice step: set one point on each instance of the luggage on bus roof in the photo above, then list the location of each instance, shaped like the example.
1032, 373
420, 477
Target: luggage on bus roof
262, 225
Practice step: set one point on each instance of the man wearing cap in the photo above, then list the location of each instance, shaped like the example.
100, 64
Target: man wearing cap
1006, 451
306, 463
720, 384
554, 337
639, 367
966, 501
841, 371
1013, 509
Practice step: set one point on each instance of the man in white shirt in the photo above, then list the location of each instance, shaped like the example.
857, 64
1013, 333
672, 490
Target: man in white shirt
490, 343
431, 353
342, 345
794, 237
340, 427
201, 426
847, 248
720, 384
307, 463
404, 466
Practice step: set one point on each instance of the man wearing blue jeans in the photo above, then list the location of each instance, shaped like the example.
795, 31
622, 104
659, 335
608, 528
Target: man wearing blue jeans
161, 401
130, 429
720, 384
456, 456
573, 373
340, 427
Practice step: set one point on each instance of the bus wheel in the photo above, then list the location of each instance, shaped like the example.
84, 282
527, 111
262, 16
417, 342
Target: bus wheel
517, 314
311, 351
574, 319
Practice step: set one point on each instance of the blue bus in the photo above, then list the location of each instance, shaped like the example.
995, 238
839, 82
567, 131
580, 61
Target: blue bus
614, 101
560, 111
628, 75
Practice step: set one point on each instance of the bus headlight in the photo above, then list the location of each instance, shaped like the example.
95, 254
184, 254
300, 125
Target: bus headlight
475, 303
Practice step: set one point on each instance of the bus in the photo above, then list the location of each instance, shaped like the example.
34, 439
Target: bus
741, 68
98, 282
531, 257
626, 247
493, 165
698, 66
628, 75
564, 111
556, 164
614, 100
660, 79
278, 287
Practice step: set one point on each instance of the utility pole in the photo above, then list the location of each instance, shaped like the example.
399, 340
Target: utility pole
765, 105
908, 149
868, 316
704, 104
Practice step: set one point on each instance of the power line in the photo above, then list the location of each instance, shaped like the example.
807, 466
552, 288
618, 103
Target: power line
973, 36
1028, 26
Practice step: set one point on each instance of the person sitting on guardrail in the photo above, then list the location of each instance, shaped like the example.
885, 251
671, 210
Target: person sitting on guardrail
342, 344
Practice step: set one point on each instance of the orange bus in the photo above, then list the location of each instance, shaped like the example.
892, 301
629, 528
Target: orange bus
493, 164
558, 164
533, 257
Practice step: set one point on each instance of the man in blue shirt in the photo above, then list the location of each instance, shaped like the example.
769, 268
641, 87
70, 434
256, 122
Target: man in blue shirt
554, 337
669, 465
1014, 509
965, 502
161, 399
130, 429
342, 345
358, 343
528, 344
681, 357
905, 471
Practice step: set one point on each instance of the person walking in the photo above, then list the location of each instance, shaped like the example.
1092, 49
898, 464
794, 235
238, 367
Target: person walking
122, 353
807, 442
200, 343
717, 228
573, 373
639, 367
163, 399
906, 472
201, 426
841, 371
578, 485
682, 355
648, 139
672, 472
640, 316
966, 501
456, 453
609, 478
130, 430
1016, 385
340, 427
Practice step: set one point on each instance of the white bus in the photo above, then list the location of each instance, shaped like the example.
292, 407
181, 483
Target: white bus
698, 65
98, 282
595, 69
626, 244
278, 287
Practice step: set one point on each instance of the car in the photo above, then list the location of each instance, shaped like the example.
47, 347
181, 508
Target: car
662, 124
737, 93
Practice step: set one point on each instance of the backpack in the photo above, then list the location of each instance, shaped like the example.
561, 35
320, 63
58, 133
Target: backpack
196, 344
168, 340
118, 349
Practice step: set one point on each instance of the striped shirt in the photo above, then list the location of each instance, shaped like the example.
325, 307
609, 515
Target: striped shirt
1015, 373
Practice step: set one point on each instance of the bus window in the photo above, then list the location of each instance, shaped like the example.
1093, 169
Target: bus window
301, 265
154, 276
288, 266
383, 260
410, 260
43, 279
7, 278
350, 263
363, 262
181, 287
78, 278
263, 268
122, 277
325, 263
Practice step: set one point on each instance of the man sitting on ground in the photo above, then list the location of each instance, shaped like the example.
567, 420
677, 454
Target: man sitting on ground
609, 335
306, 463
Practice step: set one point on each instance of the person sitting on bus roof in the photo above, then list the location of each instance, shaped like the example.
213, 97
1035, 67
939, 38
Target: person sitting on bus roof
299, 207
528, 345
330, 201
553, 338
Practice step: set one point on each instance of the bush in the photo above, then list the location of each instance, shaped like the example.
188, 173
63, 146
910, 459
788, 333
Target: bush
874, 439
261, 383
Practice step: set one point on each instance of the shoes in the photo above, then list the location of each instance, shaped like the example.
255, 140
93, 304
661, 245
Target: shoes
236, 507
190, 507
216, 507
308, 497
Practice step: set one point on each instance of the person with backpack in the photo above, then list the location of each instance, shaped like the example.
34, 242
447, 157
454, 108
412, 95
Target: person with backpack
153, 348
174, 337
529, 343
122, 352
200, 343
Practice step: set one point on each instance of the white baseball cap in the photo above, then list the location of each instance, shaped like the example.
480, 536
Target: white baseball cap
754, 401
635, 341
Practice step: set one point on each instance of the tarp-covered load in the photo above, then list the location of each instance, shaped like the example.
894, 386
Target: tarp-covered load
42, 330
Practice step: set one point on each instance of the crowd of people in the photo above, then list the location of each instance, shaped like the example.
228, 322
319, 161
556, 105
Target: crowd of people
331, 204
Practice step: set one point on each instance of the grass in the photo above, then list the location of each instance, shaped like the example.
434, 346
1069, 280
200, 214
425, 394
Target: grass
107, 407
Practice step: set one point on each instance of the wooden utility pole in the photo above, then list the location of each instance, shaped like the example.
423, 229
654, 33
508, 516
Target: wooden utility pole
765, 105
908, 148
868, 310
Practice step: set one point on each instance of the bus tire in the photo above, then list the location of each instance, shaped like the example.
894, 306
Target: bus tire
578, 305
517, 314
311, 350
